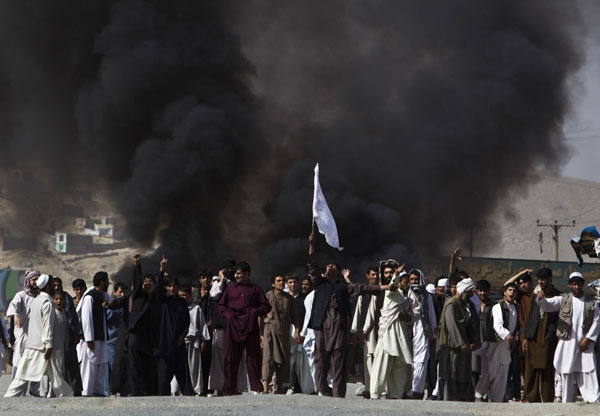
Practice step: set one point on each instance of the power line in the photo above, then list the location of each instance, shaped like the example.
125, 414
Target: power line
555, 227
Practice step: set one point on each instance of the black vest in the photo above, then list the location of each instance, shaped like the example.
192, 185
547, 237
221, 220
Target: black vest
98, 315
321, 302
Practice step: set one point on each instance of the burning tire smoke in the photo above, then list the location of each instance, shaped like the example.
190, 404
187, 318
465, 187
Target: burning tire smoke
203, 120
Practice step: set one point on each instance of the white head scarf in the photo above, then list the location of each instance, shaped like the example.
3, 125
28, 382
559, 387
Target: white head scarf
464, 286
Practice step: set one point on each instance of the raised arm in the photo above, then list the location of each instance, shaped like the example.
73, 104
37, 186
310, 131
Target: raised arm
356, 289
217, 288
160, 280
516, 276
454, 259
313, 268
548, 304
136, 279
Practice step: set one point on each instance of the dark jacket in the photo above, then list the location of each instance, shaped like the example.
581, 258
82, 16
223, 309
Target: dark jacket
140, 322
534, 319
323, 290
174, 318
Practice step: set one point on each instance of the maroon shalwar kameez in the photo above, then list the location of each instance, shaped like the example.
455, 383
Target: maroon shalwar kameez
241, 305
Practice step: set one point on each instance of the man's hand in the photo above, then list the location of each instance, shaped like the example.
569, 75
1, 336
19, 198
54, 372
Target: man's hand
464, 347
311, 243
473, 347
524, 344
47, 354
541, 295
400, 269
137, 258
456, 254
163, 263
203, 346
18, 322
91, 345
209, 323
584, 344
511, 339
346, 274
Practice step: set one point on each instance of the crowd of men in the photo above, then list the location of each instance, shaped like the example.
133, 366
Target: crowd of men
222, 335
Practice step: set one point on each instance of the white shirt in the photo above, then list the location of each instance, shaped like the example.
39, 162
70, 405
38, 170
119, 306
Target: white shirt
308, 302
41, 323
500, 352
99, 354
499, 320
567, 357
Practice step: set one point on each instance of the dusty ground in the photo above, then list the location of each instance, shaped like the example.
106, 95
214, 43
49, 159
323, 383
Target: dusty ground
270, 405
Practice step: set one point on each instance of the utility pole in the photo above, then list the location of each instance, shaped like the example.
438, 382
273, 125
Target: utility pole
555, 227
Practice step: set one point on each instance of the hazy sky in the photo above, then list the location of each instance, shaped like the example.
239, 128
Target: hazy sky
583, 126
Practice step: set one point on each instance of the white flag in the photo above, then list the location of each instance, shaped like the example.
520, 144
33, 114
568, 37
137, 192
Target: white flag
322, 215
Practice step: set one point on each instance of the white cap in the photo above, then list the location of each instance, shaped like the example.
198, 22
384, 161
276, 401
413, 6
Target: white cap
576, 275
42, 281
430, 288
442, 282
216, 278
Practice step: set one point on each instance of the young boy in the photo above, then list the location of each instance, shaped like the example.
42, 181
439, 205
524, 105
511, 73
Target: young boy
195, 340
59, 342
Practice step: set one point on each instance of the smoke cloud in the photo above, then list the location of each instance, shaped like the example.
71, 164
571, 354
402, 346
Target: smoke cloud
203, 120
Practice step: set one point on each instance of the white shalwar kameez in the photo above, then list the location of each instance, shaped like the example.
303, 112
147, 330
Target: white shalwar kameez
573, 365
33, 366
93, 363
309, 338
300, 365
497, 357
393, 355
197, 333
357, 329
19, 306
420, 342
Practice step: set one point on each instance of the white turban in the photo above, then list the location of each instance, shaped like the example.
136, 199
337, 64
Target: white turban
42, 281
430, 288
465, 285
442, 282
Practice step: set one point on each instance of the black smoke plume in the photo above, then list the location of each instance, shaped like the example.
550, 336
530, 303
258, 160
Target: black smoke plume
203, 120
